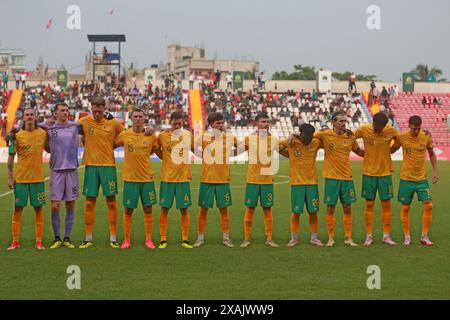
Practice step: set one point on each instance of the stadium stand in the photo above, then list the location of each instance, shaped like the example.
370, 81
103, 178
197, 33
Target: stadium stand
287, 111
434, 109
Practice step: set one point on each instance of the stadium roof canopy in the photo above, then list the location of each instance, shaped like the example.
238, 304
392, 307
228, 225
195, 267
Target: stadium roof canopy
106, 37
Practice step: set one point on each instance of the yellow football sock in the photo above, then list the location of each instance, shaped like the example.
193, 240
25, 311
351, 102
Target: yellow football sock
202, 216
348, 225
39, 218
313, 222
225, 220
405, 219
163, 223
368, 216
16, 222
112, 216
89, 216
127, 221
268, 223
386, 216
330, 220
148, 223
295, 223
427, 217
185, 221
248, 221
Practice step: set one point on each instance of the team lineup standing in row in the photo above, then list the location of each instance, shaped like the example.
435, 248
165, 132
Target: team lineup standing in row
102, 134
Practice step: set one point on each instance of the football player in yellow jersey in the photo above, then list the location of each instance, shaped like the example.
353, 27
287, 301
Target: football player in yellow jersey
175, 145
302, 152
338, 143
98, 157
137, 176
216, 148
377, 169
28, 181
413, 177
261, 146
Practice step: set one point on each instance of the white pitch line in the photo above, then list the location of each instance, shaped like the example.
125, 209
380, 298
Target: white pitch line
12, 191
195, 188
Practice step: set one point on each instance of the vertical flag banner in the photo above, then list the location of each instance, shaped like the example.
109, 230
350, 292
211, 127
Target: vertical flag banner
61, 78
408, 82
238, 80
323, 81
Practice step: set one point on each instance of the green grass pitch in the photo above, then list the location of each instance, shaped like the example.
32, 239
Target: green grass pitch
217, 272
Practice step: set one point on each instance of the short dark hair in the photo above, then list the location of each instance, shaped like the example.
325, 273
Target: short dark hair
98, 101
59, 104
337, 114
261, 115
28, 107
176, 115
214, 116
415, 120
137, 110
380, 118
307, 129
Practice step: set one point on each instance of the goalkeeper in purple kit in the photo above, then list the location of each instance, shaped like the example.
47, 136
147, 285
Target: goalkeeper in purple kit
63, 142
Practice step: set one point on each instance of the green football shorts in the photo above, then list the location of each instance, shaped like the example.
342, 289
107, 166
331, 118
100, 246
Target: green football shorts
94, 176
262, 191
370, 185
181, 191
302, 195
406, 190
342, 189
221, 191
133, 190
35, 191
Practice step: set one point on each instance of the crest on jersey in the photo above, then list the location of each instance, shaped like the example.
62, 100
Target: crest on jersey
145, 143
106, 127
297, 153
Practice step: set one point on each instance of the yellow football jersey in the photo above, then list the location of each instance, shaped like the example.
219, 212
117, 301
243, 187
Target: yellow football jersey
377, 149
302, 161
216, 157
29, 146
260, 152
414, 154
337, 151
137, 149
176, 164
99, 140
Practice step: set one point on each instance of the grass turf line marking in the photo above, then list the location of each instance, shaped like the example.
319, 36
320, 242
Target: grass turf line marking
12, 191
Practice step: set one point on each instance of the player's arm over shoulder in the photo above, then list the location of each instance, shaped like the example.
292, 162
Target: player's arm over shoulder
283, 148
118, 141
156, 148
118, 126
317, 143
355, 147
397, 143
318, 135
359, 133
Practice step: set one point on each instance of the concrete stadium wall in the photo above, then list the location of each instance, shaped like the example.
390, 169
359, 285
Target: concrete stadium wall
284, 85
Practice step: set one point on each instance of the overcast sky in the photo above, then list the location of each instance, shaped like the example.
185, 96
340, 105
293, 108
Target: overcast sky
329, 34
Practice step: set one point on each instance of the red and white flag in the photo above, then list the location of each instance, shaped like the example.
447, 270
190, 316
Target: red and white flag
49, 24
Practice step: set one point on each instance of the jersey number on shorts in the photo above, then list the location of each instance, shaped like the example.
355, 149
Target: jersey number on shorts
41, 196
112, 186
